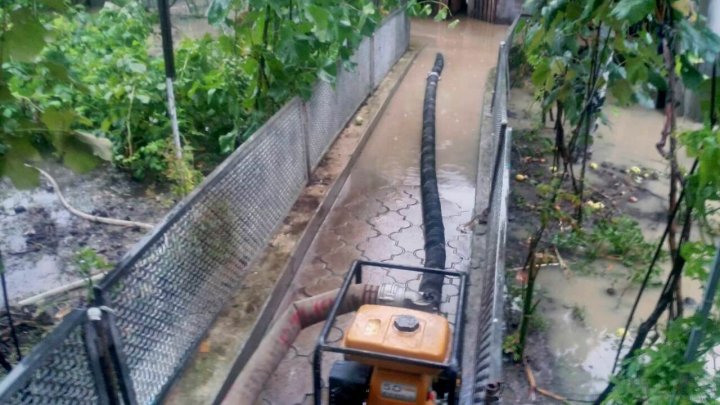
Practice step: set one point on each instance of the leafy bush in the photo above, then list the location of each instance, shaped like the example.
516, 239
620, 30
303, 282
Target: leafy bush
661, 374
615, 238
98, 78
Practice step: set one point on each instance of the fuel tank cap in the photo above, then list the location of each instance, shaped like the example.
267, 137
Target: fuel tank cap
406, 323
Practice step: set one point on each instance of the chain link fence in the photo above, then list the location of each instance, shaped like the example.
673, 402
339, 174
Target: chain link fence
488, 350
59, 373
163, 296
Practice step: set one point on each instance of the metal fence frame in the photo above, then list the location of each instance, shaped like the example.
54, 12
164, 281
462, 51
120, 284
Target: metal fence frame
159, 301
487, 384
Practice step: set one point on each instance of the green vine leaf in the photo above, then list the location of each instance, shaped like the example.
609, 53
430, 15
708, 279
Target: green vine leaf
26, 37
57, 120
218, 10
320, 18
77, 155
632, 11
55, 5
227, 141
12, 162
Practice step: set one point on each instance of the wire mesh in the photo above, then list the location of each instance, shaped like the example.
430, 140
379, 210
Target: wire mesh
488, 349
170, 293
353, 86
57, 371
387, 46
322, 108
330, 108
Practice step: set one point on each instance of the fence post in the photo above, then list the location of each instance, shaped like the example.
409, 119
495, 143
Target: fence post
497, 77
99, 364
117, 356
109, 344
306, 140
372, 62
704, 310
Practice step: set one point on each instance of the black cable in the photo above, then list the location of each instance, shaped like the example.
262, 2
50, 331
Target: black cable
13, 332
434, 230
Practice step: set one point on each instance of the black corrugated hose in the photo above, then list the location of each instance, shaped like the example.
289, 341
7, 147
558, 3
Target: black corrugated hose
431, 284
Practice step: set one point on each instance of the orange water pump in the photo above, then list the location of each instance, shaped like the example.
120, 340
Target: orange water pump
400, 353
402, 332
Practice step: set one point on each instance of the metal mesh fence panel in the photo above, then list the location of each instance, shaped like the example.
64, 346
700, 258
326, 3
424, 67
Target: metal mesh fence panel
402, 35
57, 371
353, 86
322, 110
386, 46
329, 109
488, 350
168, 294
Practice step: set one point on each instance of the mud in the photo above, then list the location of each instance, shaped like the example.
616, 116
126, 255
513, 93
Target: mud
583, 312
40, 237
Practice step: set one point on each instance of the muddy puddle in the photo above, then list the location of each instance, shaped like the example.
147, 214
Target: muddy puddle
584, 310
40, 238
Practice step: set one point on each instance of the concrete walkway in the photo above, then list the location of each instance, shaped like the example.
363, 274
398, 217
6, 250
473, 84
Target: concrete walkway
378, 213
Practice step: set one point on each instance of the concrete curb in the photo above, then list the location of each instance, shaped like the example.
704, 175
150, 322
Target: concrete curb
478, 248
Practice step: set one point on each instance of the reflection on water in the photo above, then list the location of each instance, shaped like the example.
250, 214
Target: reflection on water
392, 154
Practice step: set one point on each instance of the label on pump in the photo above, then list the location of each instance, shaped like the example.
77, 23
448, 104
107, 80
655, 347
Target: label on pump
400, 392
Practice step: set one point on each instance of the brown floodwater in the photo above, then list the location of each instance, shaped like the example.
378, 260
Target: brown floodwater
584, 322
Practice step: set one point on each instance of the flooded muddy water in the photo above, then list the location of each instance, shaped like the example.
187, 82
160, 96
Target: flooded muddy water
40, 237
584, 312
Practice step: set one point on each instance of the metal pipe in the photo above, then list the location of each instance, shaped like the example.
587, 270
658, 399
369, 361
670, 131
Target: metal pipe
169, 59
8, 314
